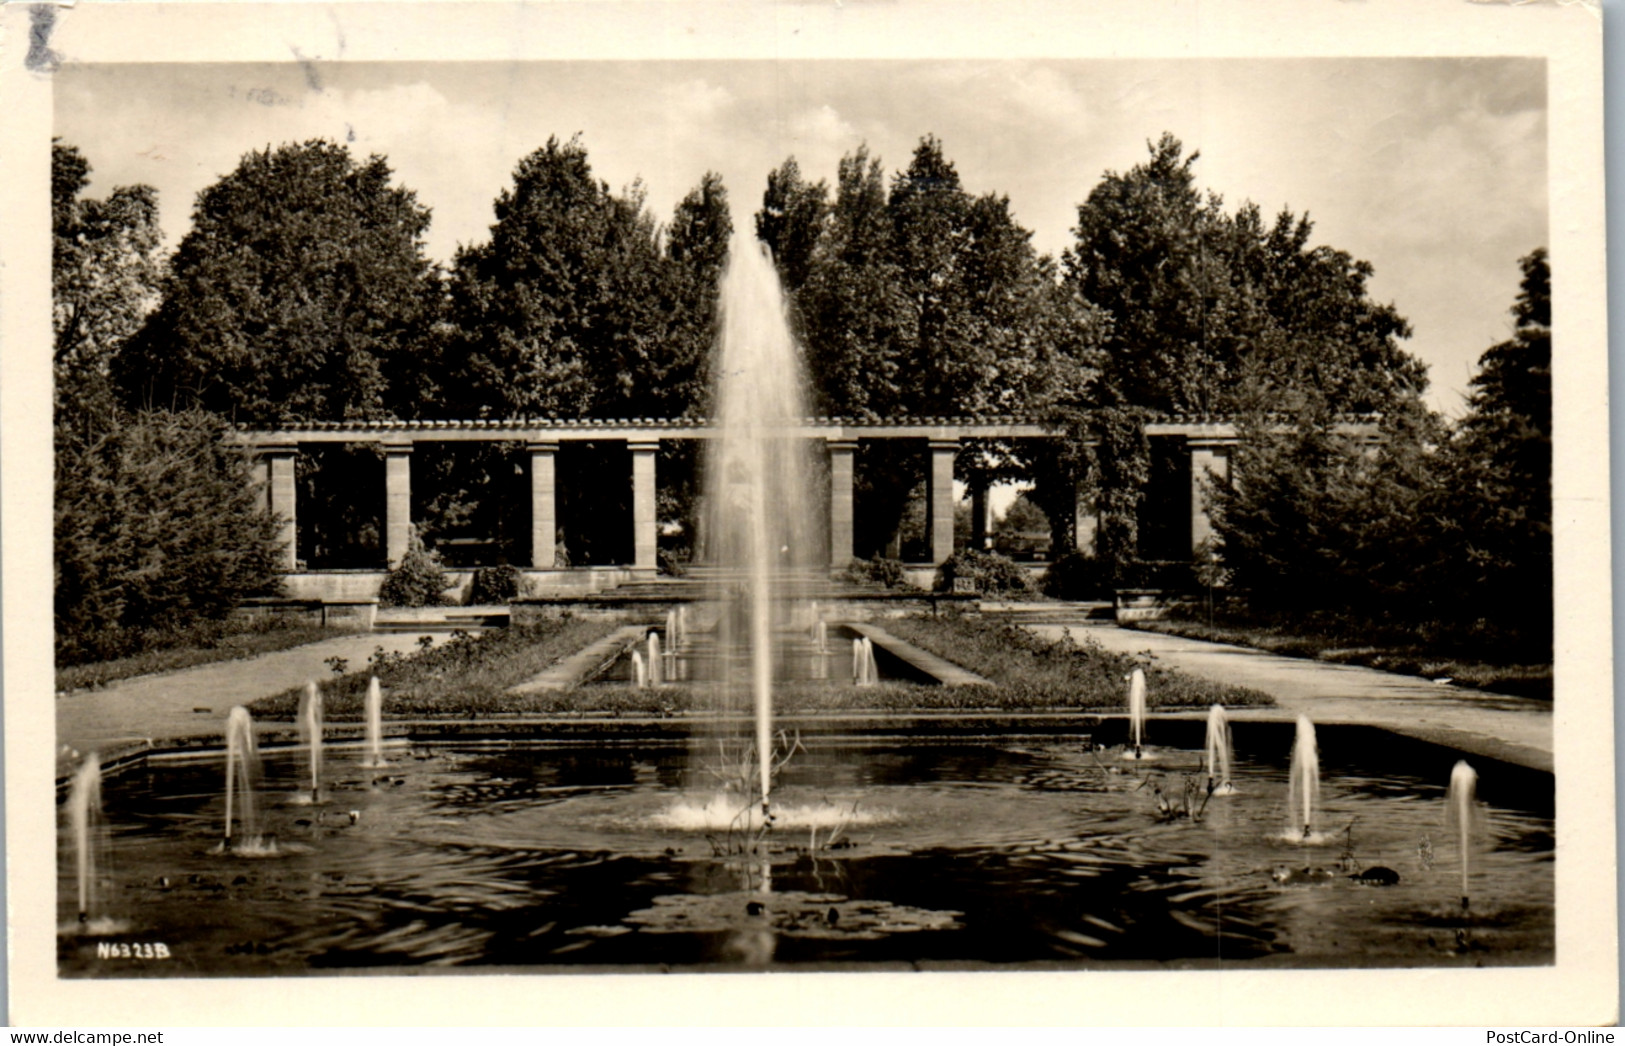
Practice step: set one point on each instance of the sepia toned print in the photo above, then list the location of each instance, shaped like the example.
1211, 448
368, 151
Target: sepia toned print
604, 513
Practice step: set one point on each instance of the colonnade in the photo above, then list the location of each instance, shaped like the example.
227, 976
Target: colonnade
274, 452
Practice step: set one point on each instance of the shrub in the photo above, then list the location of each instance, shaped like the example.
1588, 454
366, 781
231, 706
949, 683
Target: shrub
494, 585
1075, 576
670, 565
158, 533
989, 572
417, 581
877, 571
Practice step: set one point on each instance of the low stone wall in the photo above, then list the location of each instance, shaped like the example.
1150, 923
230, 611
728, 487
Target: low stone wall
338, 586
1145, 604
353, 615
357, 586
579, 581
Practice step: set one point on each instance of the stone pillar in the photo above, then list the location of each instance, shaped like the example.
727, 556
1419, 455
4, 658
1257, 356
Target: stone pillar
397, 501
1210, 465
259, 477
980, 515
841, 453
644, 523
1085, 520
282, 497
939, 498
544, 505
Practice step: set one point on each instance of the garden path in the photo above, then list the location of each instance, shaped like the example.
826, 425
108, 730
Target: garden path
1515, 729
194, 701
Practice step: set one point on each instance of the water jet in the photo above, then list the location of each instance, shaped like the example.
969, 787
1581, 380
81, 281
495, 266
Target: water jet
310, 734
1136, 712
1303, 789
757, 480
242, 783
1216, 754
375, 726
1463, 783
84, 811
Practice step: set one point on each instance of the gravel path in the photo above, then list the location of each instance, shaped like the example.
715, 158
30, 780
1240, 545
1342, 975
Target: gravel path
194, 701
1515, 729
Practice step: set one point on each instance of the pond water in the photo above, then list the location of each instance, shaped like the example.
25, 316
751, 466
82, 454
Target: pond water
1004, 851
704, 658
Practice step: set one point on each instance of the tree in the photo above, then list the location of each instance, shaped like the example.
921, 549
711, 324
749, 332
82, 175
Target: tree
1022, 517
1219, 313
697, 244
580, 306
566, 310
791, 222
301, 287
157, 530
1289, 518
105, 272
1322, 518
1497, 501
924, 300
850, 306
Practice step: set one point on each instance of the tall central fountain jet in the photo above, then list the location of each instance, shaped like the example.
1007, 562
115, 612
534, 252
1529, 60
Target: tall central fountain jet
758, 528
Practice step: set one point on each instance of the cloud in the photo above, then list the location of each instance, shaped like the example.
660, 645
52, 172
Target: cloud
695, 101
821, 130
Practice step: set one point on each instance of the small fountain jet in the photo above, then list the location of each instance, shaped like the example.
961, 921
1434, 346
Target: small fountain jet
1217, 754
84, 808
1463, 783
310, 726
1303, 793
1136, 711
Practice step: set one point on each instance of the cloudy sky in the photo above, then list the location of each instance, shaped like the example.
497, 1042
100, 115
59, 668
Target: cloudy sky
1434, 170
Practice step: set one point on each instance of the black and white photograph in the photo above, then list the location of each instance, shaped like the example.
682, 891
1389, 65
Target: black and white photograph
590, 493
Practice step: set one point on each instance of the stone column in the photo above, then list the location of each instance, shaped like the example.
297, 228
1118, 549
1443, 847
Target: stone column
1210, 464
397, 501
644, 523
283, 497
259, 477
980, 515
1085, 520
939, 498
544, 510
841, 453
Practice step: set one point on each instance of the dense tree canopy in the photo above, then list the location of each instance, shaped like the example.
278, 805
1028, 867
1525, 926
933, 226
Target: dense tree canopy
105, 271
573, 309
922, 299
301, 287
1425, 527
302, 292
1213, 312
1496, 548
157, 527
